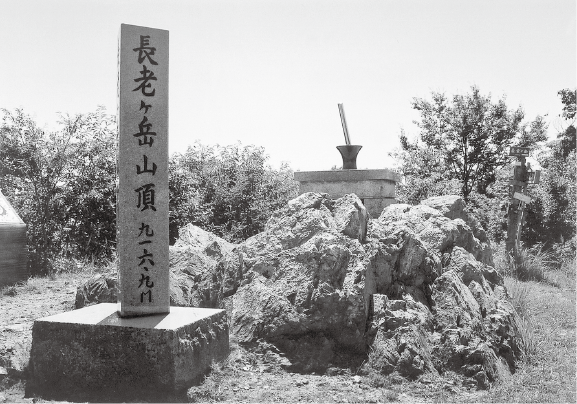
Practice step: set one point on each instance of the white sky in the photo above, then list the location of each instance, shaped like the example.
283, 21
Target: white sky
270, 73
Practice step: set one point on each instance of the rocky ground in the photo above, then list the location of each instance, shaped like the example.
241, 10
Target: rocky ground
21, 305
250, 375
415, 288
329, 305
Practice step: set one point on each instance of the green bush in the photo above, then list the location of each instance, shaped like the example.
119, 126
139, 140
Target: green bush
228, 190
62, 184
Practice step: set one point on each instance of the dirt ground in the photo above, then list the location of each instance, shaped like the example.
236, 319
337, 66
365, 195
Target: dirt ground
21, 305
251, 375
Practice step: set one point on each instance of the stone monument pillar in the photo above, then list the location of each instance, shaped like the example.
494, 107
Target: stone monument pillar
140, 349
142, 166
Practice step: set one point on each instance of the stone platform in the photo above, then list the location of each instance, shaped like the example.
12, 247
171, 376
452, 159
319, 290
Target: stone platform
376, 188
93, 354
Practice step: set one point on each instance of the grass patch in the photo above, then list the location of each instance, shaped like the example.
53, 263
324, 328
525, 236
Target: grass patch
563, 276
532, 264
11, 291
62, 265
520, 294
541, 286
536, 264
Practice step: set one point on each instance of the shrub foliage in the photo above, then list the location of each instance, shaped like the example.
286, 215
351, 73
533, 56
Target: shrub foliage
228, 190
62, 183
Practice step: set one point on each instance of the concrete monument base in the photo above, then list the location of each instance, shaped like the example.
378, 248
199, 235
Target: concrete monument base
92, 353
376, 188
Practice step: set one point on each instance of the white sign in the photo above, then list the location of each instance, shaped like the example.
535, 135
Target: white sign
521, 197
519, 151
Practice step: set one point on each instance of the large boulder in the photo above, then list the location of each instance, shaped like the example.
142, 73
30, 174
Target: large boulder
418, 289
304, 274
442, 222
444, 307
414, 289
101, 288
454, 207
204, 269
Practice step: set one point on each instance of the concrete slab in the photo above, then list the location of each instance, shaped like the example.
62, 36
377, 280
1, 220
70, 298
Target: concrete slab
362, 189
94, 354
347, 175
376, 188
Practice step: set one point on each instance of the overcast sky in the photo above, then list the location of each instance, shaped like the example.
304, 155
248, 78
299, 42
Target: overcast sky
271, 73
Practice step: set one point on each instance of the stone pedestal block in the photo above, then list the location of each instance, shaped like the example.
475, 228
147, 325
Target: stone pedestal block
93, 354
376, 188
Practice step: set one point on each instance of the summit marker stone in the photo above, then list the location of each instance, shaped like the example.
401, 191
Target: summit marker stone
142, 201
139, 349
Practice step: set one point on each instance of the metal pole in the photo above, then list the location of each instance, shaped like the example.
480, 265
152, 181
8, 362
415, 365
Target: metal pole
344, 123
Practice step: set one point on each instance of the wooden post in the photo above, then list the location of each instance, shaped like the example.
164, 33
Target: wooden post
518, 186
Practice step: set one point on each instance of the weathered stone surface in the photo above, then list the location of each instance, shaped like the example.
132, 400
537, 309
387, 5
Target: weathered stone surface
471, 269
289, 309
300, 274
418, 291
463, 307
92, 353
376, 205
423, 304
398, 330
102, 288
454, 207
200, 281
441, 222
201, 240
142, 212
351, 217
451, 206
204, 269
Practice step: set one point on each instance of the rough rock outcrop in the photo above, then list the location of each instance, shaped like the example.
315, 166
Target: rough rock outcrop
101, 288
302, 274
442, 306
414, 288
203, 270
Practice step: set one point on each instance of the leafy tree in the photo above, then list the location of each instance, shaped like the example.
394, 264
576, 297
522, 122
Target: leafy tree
555, 199
568, 137
552, 214
63, 185
566, 141
228, 190
568, 99
60, 182
464, 139
89, 190
423, 173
